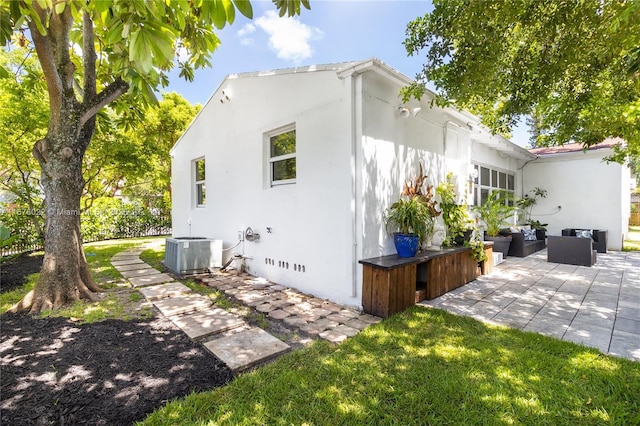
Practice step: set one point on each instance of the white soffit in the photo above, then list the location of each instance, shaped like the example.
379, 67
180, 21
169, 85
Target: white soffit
502, 145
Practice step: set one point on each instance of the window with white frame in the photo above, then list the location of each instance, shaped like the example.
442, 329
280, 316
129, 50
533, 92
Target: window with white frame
488, 179
199, 182
282, 156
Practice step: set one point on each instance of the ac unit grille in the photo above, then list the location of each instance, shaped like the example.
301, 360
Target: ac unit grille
192, 255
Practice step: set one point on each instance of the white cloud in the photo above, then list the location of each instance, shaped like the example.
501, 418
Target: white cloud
244, 33
289, 37
246, 30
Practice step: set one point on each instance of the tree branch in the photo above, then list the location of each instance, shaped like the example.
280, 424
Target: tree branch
88, 56
95, 104
47, 62
59, 30
17, 162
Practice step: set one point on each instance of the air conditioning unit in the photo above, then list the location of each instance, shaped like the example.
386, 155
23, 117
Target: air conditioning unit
192, 255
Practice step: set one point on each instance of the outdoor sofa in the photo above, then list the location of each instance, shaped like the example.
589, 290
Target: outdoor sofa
571, 250
521, 247
599, 237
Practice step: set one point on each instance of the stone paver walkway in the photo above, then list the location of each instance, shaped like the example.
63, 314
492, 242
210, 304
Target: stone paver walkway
597, 306
228, 336
314, 316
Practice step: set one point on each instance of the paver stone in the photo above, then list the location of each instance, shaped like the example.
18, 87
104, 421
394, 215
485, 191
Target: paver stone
246, 348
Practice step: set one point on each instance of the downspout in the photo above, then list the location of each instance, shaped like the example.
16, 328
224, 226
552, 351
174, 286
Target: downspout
353, 83
444, 139
445, 128
522, 175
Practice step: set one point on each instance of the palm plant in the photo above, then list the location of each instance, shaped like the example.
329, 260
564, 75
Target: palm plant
526, 205
495, 211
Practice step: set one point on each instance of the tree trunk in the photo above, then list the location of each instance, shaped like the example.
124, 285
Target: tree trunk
65, 276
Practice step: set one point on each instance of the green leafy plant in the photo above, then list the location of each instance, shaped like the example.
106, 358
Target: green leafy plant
415, 211
526, 204
536, 224
476, 244
495, 211
455, 215
408, 215
5, 237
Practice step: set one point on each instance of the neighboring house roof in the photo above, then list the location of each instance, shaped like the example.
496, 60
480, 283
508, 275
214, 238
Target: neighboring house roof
576, 147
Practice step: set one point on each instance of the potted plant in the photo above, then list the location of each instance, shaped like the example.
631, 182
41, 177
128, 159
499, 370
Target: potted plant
412, 217
455, 216
406, 218
493, 213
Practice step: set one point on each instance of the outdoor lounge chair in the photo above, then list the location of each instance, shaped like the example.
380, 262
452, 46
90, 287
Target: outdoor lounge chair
599, 238
571, 250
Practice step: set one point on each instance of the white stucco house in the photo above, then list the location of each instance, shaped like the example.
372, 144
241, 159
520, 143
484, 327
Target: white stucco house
310, 157
584, 191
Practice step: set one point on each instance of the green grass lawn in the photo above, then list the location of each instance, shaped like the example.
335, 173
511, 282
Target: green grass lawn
154, 256
425, 366
632, 243
119, 301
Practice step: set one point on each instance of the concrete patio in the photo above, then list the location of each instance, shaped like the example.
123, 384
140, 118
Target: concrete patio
597, 306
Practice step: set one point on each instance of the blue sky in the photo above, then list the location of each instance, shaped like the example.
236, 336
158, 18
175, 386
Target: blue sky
332, 31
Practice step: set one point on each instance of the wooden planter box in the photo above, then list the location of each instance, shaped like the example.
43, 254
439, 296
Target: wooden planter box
390, 283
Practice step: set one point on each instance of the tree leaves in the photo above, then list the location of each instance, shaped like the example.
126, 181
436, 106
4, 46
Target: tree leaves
570, 64
291, 7
244, 7
151, 44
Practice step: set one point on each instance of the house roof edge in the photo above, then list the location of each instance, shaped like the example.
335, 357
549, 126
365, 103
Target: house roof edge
175, 145
577, 148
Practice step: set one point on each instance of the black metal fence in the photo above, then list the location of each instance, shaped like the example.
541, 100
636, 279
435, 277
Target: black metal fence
147, 225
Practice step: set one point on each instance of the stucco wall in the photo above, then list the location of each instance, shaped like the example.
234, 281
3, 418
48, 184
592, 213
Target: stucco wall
392, 147
587, 189
317, 222
311, 219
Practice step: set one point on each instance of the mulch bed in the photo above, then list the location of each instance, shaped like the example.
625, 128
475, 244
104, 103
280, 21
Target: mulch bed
54, 371
13, 273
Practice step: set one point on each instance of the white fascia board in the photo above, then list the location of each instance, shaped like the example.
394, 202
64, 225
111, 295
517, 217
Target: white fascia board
295, 70
379, 67
562, 156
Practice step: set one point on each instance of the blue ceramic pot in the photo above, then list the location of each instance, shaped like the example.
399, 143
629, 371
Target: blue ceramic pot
406, 244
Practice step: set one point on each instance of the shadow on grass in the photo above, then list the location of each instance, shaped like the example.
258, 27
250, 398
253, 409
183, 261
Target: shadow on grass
426, 366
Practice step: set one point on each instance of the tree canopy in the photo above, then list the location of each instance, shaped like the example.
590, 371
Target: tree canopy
125, 157
95, 53
572, 66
